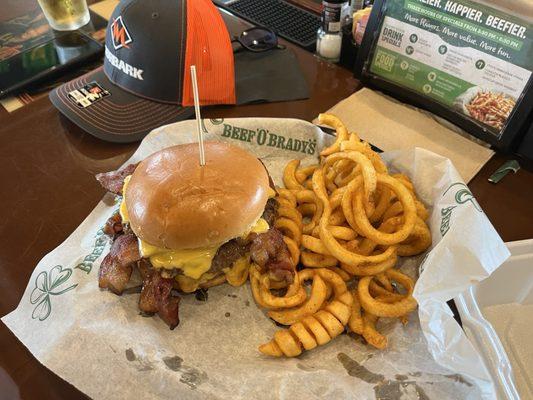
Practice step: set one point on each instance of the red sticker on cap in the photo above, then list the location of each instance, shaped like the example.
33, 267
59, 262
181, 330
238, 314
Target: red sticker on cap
88, 95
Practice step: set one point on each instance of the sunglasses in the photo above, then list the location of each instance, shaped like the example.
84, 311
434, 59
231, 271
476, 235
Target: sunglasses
257, 40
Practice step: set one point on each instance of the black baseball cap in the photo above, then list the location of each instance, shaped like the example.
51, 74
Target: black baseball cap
145, 81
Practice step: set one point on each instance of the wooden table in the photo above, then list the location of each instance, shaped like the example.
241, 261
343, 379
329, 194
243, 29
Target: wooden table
47, 168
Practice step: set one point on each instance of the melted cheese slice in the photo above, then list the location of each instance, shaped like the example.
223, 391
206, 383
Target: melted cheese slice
237, 274
261, 226
122, 209
193, 262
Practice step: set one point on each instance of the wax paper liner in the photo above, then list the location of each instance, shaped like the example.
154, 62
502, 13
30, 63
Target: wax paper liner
101, 344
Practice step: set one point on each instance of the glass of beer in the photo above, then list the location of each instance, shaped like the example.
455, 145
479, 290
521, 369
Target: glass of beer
65, 15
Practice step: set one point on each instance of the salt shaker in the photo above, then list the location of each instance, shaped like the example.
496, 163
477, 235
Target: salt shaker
329, 36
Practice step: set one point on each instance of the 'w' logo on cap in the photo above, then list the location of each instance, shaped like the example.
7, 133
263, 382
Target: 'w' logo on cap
121, 36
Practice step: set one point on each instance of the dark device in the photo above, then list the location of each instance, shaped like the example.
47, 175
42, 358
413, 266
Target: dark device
290, 22
525, 148
53, 56
417, 30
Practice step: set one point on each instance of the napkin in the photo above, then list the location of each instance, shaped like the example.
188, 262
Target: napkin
391, 125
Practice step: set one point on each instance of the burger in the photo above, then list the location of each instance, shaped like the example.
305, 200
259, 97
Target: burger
186, 227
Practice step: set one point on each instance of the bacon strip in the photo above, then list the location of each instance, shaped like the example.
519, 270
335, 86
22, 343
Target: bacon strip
114, 181
116, 268
157, 297
271, 212
269, 251
113, 225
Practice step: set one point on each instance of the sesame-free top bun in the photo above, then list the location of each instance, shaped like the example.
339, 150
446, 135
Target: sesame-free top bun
175, 203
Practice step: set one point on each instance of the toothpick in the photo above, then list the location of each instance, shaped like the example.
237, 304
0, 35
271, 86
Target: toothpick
199, 129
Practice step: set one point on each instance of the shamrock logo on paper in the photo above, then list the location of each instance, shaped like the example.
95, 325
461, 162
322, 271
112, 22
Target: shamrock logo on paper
214, 121
217, 121
464, 195
48, 284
